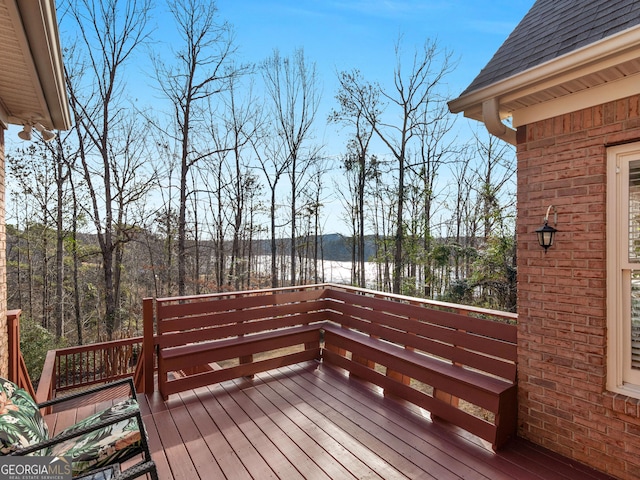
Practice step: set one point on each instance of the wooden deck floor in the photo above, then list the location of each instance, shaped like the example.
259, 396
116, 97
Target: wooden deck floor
312, 422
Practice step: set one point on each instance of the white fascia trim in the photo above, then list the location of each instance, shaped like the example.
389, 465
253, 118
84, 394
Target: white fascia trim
18, 19
4, 117
36, 26
591, 97
41, 29
610, 51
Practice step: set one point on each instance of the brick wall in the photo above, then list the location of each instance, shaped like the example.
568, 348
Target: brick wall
4, 343
563, 403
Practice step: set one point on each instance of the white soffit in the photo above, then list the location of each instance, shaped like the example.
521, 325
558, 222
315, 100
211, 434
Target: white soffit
31, 70
595, 74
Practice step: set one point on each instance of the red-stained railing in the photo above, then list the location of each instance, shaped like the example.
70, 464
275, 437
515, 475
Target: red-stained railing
17, 369
77, 367
211, 338
85, 365
433, 354
170, 322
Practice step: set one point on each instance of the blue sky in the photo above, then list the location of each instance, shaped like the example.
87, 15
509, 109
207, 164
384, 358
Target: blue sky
345, 34
339, 34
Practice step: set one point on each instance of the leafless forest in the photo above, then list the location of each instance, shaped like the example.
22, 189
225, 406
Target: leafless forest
185, 196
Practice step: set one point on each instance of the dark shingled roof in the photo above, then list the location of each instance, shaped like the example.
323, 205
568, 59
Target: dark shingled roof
553, 28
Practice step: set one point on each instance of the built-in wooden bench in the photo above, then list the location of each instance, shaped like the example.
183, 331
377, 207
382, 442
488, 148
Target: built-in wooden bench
431, 358
190, 358
435, 359
191, 335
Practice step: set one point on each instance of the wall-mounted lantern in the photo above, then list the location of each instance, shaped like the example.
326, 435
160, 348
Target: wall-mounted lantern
547, 233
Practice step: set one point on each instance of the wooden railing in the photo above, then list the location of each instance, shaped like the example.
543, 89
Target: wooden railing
217, 316
459, 367
497, 315
207, 339
17, 368
85, 365
433, 354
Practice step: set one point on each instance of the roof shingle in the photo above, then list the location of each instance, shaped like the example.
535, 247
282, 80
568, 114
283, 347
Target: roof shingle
553, 28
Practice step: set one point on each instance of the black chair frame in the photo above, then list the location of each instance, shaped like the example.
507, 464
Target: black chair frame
146, 465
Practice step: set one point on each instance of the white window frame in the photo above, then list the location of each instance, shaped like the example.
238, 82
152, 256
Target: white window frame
620, 377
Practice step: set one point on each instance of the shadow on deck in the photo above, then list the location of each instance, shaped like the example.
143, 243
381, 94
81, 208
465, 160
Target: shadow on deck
312, 421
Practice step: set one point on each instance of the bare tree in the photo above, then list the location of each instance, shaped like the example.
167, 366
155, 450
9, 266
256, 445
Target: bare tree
495, 172
242, 122
268, 150
292, 86
410, 92
165, 217
110, 31
198, 72
75, 255
34, 170
436, 148
463, 224
352, 113
314, 198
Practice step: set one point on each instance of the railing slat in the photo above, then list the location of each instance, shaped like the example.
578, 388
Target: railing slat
408, 322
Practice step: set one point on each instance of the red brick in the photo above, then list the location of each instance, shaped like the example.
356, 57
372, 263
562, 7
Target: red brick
562, 295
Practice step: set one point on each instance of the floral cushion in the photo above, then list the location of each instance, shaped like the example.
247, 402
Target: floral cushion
21, 424
105, 445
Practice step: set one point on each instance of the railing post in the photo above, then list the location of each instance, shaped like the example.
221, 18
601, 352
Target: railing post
17, 368
148, 345
48, 380
13, 327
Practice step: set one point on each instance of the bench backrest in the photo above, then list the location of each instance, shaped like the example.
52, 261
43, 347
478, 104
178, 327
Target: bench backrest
478, 343
215, 317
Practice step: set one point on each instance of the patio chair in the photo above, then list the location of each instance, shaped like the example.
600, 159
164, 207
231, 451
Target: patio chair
96, 444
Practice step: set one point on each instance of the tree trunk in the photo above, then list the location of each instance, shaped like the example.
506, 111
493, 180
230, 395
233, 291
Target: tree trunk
274, 265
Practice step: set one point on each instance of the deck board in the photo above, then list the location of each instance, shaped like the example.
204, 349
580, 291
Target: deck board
311, 421
270, 429
313, 457
177, 455
225, 456
282, 466
418, 430
356, 430
253, 460
408, 449
343, 448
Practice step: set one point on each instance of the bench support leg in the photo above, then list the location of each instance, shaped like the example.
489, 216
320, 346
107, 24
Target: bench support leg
507, 417
246, 359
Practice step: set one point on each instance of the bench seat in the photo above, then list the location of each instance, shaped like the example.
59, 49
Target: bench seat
191, 356
493, 394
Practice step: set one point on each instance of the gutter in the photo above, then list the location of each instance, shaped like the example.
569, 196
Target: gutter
493, 122
41, 30
484, 104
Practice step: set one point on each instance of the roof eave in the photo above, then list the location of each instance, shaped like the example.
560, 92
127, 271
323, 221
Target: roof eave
41, 29
609, 51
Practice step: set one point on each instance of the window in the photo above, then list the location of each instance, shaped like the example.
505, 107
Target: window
623, 269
